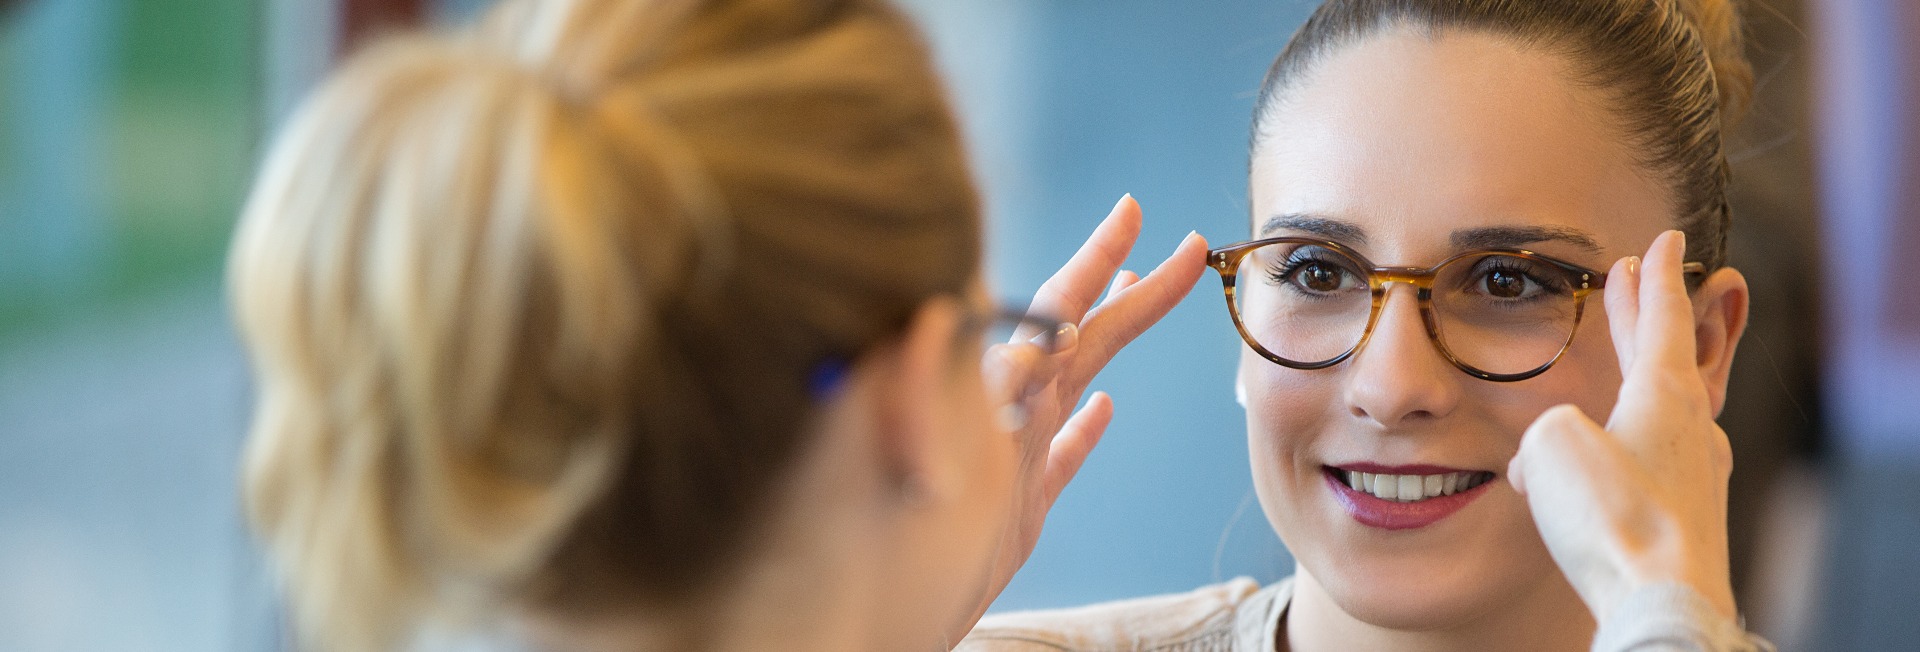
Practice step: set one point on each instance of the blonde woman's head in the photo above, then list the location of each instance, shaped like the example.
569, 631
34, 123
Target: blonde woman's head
534, 306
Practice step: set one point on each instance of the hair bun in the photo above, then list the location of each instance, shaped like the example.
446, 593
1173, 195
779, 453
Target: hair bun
1721, 32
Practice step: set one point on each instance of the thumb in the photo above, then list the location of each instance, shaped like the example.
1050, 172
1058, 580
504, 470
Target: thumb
1553, 440
1516, 471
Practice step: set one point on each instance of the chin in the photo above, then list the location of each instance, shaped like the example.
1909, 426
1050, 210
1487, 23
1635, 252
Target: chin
1450, 573
1412, 593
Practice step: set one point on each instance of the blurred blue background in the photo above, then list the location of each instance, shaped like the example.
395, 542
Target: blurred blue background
129, 129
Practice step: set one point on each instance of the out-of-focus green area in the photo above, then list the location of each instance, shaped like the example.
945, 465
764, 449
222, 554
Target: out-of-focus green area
127, 140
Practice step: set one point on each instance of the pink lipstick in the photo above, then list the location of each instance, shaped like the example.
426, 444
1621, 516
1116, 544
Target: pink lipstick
1403, 497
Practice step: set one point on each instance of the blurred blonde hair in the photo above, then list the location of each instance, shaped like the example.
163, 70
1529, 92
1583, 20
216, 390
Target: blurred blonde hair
533, 305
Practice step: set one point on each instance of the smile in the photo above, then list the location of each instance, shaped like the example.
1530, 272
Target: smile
1411, 488
1403, 497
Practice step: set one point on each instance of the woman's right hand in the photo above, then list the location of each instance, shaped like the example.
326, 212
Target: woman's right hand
1643, 500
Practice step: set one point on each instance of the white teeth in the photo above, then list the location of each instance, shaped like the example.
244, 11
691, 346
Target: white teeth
1409, 488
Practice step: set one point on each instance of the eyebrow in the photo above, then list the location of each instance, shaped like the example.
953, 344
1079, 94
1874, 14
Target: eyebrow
1485, 237
1328, 228
1514, 237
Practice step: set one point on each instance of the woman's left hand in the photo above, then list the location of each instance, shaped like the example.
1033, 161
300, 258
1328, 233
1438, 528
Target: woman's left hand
1643, 500
1054, 440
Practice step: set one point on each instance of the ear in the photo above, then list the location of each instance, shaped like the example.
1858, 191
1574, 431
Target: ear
913, 415
1719, 317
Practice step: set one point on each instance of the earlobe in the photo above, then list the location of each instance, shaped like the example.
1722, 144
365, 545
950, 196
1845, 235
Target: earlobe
1720, 317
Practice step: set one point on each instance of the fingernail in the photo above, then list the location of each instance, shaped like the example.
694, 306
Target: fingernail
1633, 265
1065, 337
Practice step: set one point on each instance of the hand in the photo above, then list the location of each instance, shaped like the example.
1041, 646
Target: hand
1048, 385
1643, 500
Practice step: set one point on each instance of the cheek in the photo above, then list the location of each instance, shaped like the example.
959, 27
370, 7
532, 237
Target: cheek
996, 457
987, 458
1286, 408
1288, 413
1587, 376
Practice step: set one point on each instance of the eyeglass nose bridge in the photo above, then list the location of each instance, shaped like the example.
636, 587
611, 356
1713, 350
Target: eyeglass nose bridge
1419, 277
1380, 281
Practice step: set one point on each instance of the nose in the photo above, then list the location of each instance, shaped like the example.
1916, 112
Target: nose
1399, 378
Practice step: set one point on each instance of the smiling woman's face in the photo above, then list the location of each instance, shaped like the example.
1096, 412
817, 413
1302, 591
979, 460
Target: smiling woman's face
1407, 147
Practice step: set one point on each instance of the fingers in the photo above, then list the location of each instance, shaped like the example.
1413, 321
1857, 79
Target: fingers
1663, 337
1071, 291
1075, 442
1623, 308
1126, 315
1015, 371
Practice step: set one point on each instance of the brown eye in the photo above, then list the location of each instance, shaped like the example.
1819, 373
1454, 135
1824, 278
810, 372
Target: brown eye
1320, 278
1506, 285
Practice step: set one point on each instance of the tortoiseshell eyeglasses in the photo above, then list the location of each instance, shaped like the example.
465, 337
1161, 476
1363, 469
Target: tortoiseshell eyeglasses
1498, 314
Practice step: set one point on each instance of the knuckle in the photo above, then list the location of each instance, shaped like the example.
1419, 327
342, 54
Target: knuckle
1561, 418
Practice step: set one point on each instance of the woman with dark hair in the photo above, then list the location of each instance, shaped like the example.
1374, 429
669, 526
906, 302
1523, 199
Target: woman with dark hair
1442, 297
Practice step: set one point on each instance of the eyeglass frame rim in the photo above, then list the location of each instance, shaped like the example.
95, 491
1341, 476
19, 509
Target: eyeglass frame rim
825, 375
1037, 328
1226, 260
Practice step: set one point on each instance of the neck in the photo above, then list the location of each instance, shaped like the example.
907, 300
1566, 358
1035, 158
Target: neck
813, 580
1545, 616
796, 605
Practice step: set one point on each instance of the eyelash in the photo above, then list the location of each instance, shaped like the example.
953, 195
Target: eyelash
1296, 260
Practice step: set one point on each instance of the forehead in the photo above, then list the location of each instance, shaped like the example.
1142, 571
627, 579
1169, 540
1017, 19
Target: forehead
1413, 137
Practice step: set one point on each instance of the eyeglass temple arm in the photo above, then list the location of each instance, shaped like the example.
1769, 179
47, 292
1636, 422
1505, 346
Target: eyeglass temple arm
1694, 272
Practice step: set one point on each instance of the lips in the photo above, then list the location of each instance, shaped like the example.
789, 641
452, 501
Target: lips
1403, 497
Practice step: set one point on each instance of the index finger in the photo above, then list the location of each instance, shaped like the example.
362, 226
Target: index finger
1128, 314
1663, 334
1071, 291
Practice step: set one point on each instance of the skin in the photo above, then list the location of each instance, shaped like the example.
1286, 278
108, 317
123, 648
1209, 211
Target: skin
1410, 140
